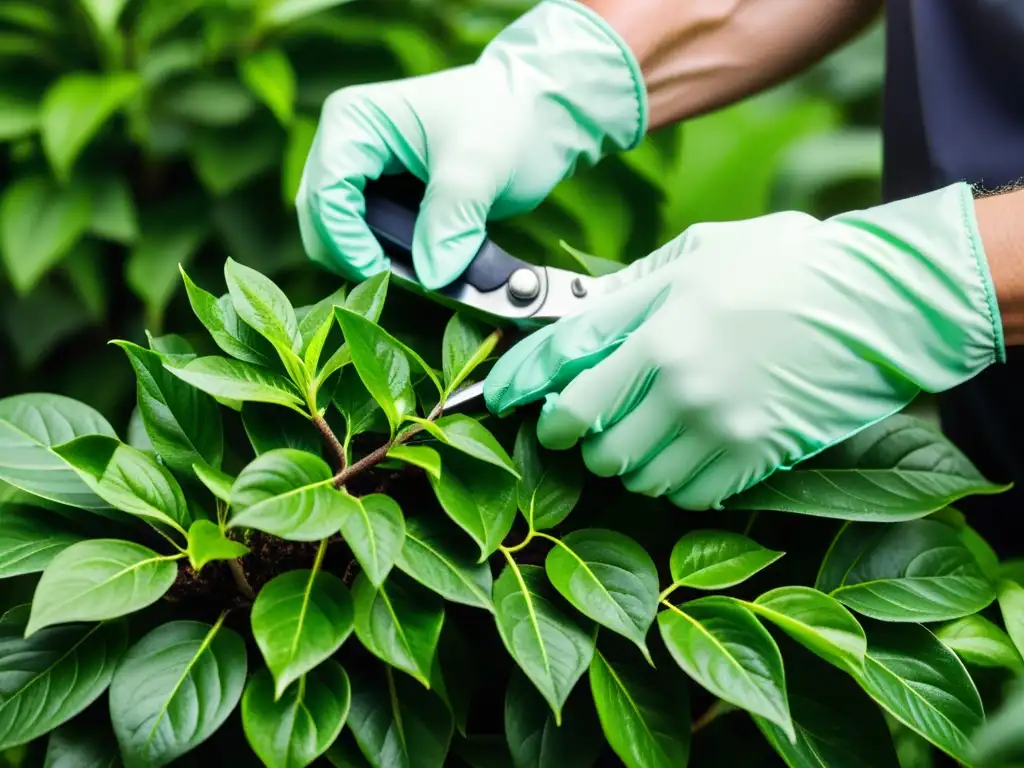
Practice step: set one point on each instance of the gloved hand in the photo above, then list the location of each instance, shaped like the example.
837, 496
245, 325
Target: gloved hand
556, 88
742, 348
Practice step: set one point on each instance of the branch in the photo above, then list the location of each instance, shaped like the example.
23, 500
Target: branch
332, 441
238, 574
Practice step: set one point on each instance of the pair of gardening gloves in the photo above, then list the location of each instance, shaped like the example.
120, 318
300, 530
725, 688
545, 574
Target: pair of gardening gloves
732, 352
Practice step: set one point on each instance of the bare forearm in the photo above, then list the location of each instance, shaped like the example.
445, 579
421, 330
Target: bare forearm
1001, 224
699, 55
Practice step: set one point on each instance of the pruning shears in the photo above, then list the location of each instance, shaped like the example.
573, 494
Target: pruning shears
498, 287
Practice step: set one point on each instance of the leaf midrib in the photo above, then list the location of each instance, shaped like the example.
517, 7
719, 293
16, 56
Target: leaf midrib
49, 669
469, 584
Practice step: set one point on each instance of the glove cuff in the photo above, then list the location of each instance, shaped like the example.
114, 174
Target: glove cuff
579, 61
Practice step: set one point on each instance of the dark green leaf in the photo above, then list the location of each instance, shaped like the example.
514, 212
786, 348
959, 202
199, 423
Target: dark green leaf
721, 645
174, 688
374, 529
400, 623
315, 326
900, 469
361, 412
294, 730
453, 675
217, 482
550, 481
79, 744
97, 580
29, 540
299, 619
18, 117
209, 101
237, 380
917, 571
47, 679
709, 559
978, 641
206, 542
553, 649
439, 561
269, 75
472, 438
113, 210
30, 425
269, 428
608, 577
226, 327
537, 741
262, 305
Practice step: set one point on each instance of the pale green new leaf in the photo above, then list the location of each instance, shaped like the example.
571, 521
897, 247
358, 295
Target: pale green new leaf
1011, 606
238, 380
422, 456
710, 559
228, 330
269, 75
206, 542
217, 482
464, 347
262, 305
980, 643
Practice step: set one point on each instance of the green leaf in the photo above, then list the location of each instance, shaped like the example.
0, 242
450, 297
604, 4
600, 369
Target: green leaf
465, 346
208, 101
127, 479
999, 741
710, 559
217, 482
836, 724
440, 562
374, 529
282, 13
299, 620
978, 641
453, 675
721, 645
269, 428
644, 715
1011, 606
480, 498
552, 648
900, 469
550, 481
361, 412
75, 108
472, 438
47, 679
608, 577
183, 423
399, 623
85, 268
206, 542
40, 222
367, 298
97, 580
80, 744
534, 738
287, 493
421, 456
301, 133
923, 685
174, 688
104, 13
29, 540
237, 380
113, 210
816, 621
397, 722
30, 425
315, 327
262, 305
296, 729
917, 571
269, 75
226, 327
381, 364
18, 117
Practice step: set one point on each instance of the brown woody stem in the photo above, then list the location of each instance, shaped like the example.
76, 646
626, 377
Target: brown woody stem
332, 441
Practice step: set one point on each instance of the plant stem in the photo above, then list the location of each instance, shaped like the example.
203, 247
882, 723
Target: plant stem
712, 713
663, 597
521, 544
238, 574
331, 440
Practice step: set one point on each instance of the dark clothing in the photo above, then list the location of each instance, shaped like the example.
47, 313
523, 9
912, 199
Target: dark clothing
954, 111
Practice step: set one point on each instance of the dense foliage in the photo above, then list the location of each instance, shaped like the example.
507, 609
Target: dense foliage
295, 553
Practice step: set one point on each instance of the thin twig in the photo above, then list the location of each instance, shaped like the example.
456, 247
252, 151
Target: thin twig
712, 713
238, 574
332, 441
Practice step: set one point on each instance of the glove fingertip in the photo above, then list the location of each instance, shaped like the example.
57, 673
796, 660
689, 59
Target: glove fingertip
558, 428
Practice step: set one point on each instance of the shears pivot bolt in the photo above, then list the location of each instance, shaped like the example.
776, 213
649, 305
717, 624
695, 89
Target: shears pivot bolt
523, 285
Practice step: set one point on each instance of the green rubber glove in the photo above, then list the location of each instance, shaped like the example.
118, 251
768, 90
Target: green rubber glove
555, 89
739, 349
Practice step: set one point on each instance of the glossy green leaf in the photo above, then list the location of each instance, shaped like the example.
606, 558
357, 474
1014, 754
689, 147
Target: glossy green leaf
269, 75
421, 456
923, 685
47, 679
228, 330
99, 579
980, 643
237, 380
900, 469
553, 648
374, 529
536, 741
644, 713
75, 108
464, 347
40, 222
608, 577
357, 406
550, 481
287, 493
30, 539
1000, 741
315, 324
281, 13
183, 423
206, 543
174, 688
1011, 606
917, 571
262, 305
479, 497
30, 425
443, 563
721, 645
301, 133
128, 479
80, 744
816, 621
381, 363
217, 482
299, 619
472, 438
367, 298
710, 559
399, 623
294, 730
398, 722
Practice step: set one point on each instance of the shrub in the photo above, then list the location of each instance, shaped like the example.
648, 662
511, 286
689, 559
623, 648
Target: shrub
297, 548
